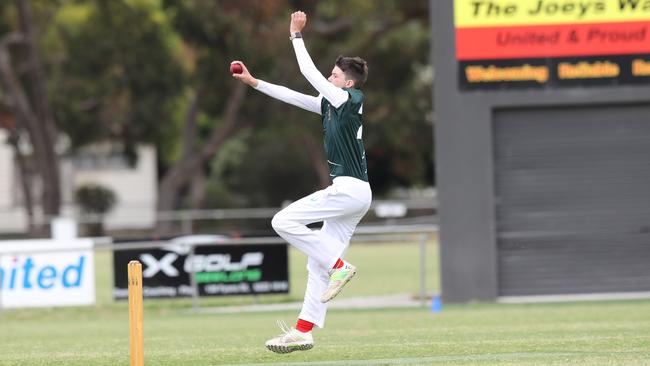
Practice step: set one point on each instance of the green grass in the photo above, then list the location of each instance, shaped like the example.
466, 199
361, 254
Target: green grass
594, 333
604, 333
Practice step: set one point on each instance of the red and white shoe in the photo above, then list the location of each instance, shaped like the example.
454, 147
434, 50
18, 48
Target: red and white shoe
338, 278
290, 340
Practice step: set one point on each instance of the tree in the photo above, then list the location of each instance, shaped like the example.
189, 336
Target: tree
393, 36
215, 32
97, 201
123, 78
156, 71
28, 100
8, 122
119, 77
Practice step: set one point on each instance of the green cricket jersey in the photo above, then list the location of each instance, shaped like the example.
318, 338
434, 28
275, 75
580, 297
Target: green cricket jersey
342, 129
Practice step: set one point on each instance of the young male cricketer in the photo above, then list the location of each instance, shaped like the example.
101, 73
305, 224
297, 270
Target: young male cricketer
341, 205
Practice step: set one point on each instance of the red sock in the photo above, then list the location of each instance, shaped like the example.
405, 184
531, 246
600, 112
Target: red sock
338, 264
304, 326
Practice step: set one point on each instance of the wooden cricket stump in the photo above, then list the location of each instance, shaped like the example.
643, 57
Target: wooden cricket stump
136, 314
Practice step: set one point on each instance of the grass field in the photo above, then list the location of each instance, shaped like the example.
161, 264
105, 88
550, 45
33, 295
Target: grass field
595, 333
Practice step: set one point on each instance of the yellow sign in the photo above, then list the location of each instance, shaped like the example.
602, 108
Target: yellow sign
486, 13
588, 70
490, 74
640, 67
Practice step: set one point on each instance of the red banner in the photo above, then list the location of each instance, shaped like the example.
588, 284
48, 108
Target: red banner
556, 40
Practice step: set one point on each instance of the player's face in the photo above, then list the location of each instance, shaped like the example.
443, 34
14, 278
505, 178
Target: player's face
338, 78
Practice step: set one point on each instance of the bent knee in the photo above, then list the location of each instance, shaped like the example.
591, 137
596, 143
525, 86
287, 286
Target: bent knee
279, 223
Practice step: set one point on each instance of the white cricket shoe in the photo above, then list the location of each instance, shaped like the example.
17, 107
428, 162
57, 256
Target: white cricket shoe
290, 340
338, 278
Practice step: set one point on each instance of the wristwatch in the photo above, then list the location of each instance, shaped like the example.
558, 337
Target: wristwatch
295, 35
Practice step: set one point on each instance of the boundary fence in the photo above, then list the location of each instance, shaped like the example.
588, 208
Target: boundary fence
363, 234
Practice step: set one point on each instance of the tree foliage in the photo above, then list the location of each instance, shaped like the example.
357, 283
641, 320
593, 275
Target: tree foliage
156, 71
95, 199
121, 74
24, 94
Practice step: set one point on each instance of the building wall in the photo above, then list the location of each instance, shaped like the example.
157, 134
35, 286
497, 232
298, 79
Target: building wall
135, 188
12, 217
6, 171
465, 154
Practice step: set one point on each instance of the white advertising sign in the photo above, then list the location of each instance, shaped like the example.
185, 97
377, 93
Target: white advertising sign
40, 273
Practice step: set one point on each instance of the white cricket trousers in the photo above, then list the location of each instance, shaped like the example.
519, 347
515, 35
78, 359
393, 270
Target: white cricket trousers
340, 207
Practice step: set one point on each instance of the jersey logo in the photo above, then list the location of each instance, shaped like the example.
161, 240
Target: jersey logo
333, 163
359, 132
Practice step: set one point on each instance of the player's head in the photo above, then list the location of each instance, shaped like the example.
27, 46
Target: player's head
349, 72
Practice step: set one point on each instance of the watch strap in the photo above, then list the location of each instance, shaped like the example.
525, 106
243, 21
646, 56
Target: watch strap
295, 35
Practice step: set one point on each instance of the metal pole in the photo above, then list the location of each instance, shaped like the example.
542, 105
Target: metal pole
1, 286
423, 269
195, 286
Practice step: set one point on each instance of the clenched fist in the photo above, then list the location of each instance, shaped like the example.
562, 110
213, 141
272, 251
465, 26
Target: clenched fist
298, 21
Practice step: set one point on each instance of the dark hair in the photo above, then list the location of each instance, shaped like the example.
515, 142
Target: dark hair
354, 68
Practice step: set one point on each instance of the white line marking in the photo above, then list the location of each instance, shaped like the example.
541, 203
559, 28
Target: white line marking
574, 297
431, 359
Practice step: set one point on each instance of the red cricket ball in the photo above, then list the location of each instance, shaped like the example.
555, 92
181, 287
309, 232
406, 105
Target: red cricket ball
236, 68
